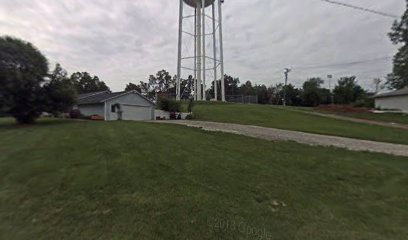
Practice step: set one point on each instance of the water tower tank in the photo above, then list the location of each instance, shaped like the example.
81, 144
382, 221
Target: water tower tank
194, 3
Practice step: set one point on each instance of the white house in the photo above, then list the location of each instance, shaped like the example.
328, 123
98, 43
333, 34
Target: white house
396, 100
114, 106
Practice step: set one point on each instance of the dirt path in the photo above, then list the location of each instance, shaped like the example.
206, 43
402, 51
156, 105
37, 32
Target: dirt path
300, 137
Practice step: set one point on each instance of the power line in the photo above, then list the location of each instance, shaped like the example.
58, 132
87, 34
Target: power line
345, 64
361, 9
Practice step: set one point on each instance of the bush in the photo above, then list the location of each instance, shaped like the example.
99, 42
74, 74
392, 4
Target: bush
169, 105
189, 117
364, 102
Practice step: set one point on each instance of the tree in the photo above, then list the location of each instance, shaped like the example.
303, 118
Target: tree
276, 94
326, 96
84, 83
262, 93
133, 87
293, 95
147, 90
231, 85
247, 89
60, 92
399, 35
347, 91
22, 72
186, 87
311, 95
162, 82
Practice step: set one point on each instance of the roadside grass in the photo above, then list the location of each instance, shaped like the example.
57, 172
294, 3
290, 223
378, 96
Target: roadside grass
381, 117
128, 180
277, 117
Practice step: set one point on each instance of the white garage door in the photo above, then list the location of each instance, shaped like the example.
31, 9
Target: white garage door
136, 112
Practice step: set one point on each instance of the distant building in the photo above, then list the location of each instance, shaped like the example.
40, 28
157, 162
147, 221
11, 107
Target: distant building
114, 106
396, 100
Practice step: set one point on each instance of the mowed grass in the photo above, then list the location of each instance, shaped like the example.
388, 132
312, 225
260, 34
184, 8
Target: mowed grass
382, 117
127, 180
277, 117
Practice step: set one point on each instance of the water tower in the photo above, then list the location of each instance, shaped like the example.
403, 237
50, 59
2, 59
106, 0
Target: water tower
206, 62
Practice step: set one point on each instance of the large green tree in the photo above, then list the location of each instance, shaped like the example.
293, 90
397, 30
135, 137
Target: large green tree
133, 87
399, 36
60, 92
311, 95
293, 95
231, 85
85, 83
22, 72
162, 82
262, 93
348, 91
247, 89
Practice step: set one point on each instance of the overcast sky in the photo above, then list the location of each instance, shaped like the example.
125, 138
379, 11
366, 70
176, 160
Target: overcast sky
125, 41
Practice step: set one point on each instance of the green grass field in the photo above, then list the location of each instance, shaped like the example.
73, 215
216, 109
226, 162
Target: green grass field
275, 117
382, 117
127, 180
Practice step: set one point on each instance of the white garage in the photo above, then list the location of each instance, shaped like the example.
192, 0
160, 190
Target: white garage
134, 112
116, 106
397, 100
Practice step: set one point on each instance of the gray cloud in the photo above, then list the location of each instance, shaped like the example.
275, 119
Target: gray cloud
126, 40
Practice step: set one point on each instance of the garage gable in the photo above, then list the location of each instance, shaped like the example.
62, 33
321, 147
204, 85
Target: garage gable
131, 98
131, 105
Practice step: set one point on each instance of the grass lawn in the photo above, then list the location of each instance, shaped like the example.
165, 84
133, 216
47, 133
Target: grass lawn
127, 180
382, 117
276, 117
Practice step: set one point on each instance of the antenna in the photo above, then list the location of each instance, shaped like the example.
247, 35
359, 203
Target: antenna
200, 35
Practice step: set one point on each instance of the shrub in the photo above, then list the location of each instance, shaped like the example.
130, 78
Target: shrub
169, 105
364, 102
189, 117
163, 104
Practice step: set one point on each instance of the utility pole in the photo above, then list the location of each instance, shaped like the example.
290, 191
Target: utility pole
287, 70
330, 88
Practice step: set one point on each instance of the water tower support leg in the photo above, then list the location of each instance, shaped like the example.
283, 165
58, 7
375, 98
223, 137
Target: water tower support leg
221, 51
204, 57
178, 97
199, 69
215, 54
195, 55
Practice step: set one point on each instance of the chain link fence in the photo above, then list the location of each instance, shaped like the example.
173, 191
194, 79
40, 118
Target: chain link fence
245, 99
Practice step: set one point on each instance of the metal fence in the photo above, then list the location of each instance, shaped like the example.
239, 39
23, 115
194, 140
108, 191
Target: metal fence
248, 99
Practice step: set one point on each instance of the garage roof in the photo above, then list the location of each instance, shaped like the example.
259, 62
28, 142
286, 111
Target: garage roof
401, 92
100, 97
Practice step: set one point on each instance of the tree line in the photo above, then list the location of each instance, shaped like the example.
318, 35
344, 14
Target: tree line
347, 90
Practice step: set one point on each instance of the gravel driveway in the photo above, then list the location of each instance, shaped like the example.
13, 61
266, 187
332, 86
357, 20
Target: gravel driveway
300, 137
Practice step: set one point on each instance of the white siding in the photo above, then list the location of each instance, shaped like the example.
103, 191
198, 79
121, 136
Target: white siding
136, 113
134, 107
92, 109
396, 102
